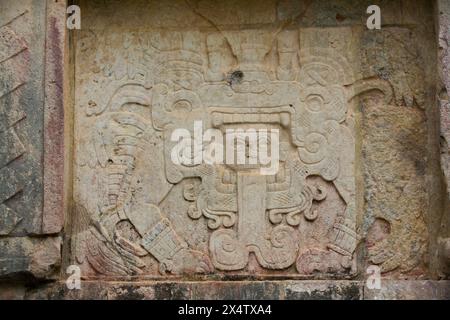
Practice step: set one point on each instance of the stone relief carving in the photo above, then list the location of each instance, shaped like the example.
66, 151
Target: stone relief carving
138, 213
390, 56
11, 113
301, 220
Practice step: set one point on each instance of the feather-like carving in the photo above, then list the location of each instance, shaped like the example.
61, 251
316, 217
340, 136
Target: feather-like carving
118, 137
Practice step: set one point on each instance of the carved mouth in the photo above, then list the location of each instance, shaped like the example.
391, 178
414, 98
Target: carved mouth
246, 119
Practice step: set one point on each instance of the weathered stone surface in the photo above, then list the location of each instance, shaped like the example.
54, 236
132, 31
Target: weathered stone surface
360, 179
443, 22
396, 199
444, 255
213, 218
138, 213
324, 290
54, 121
38, 258
31, 130
245, 290
410, 290
11, 291
22, 30
232, 290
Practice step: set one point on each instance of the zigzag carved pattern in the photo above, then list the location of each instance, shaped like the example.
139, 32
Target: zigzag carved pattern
14, 70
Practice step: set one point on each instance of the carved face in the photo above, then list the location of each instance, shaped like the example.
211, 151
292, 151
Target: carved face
273, 216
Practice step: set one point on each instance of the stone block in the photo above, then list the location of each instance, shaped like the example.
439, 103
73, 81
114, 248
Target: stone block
35, 258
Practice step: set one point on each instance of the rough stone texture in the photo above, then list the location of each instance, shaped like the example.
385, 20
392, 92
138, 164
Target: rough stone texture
137, 84
410, 290
347, 101
402, 187
361, 173
12, 291
141, 107
32, 36
443, 25
395, 163
242, 290
245, 290
54, 153
22, 30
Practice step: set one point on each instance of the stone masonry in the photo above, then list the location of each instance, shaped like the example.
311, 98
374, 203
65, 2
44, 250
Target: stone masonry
359, 120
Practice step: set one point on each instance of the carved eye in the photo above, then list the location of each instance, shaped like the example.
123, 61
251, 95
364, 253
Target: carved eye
314, 103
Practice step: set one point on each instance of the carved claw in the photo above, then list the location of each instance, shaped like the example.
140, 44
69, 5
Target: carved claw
187, 262
110, 257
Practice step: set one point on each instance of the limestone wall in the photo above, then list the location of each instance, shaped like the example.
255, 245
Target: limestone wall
32, 36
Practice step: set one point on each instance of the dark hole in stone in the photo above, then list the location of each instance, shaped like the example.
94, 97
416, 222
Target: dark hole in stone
235, 77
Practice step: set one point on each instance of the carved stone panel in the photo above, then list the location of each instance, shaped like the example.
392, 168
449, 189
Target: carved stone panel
145, 72
32, 38
21, 117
